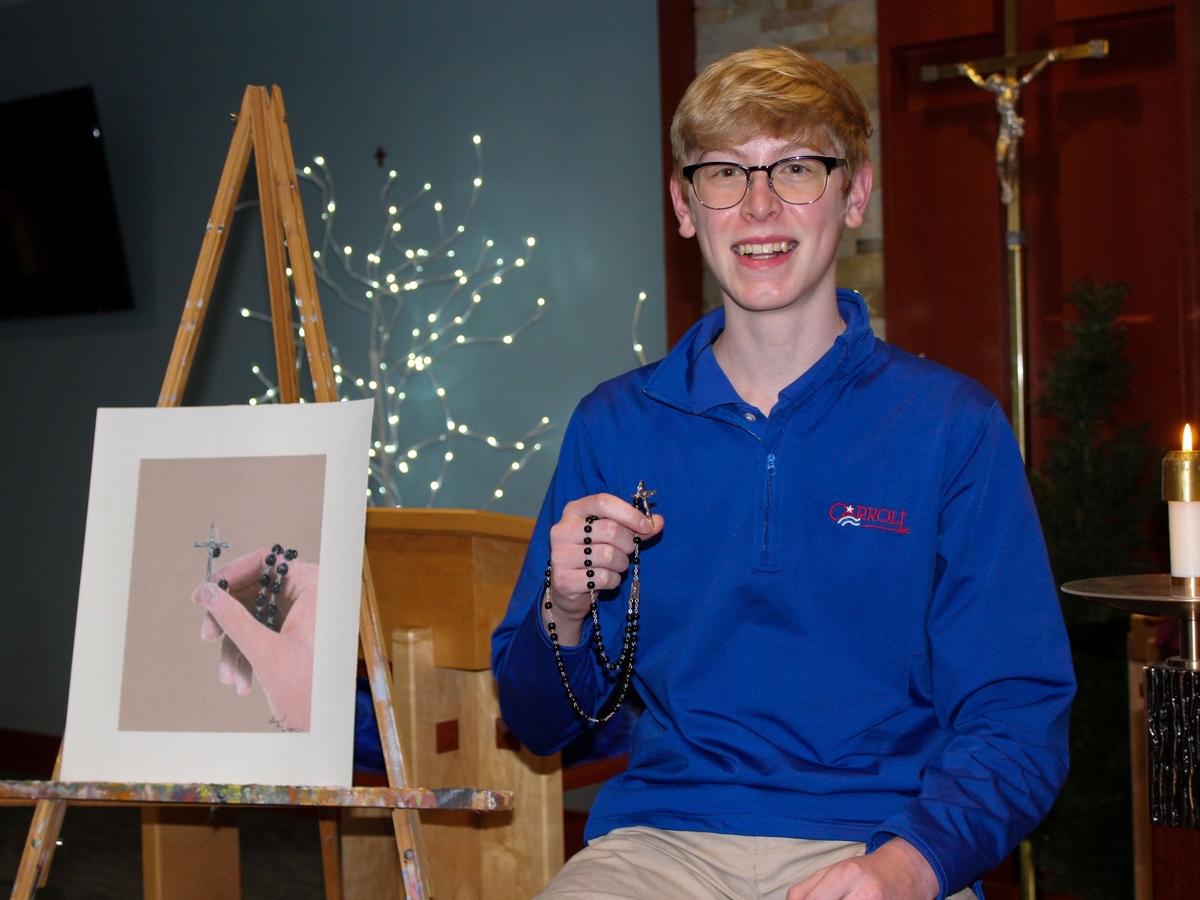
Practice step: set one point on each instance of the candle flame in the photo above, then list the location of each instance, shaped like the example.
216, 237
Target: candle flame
1187, 437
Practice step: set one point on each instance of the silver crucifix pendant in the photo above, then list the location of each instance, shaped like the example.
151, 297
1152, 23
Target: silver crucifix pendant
214, 548
641, 500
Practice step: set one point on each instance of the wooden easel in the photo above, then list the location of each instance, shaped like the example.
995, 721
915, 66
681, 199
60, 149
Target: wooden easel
262, 126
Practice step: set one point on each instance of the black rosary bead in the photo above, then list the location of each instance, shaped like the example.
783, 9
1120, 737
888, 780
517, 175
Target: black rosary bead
223, 584
265, 608
216, 551
624, 663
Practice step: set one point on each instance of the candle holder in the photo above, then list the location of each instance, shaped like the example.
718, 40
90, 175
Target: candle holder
1172, 689
1181, 490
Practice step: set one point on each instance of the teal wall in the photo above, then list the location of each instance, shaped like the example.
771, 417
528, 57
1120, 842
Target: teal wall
565, 95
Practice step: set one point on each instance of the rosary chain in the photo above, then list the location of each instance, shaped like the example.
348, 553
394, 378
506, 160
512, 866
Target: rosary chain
624, 663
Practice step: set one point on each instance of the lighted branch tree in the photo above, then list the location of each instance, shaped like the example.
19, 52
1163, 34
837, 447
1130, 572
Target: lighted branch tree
419, 302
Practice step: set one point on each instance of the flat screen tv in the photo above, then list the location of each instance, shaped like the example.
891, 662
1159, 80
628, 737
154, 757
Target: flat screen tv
60, 246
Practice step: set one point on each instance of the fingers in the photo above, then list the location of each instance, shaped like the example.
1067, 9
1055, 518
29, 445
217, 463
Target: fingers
234, 668
823, 883
252, 639
592, 555
243, 572
228, 662
607, 506
209, 629
243, 675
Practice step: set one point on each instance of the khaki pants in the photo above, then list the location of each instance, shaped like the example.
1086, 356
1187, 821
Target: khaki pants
652, 864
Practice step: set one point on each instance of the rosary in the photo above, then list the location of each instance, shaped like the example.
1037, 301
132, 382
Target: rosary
263, 611
624, 663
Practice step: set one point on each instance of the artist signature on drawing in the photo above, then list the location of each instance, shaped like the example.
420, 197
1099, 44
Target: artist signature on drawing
281, 726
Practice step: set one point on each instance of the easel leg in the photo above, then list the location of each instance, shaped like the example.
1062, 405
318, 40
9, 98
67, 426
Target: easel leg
413, 868
35, 859
52, 832
410, 872
331, 853
40, 843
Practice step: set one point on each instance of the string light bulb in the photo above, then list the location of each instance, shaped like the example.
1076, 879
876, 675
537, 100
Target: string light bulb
437, 290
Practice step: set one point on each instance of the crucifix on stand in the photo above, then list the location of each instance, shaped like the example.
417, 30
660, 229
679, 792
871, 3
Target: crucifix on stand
999, 75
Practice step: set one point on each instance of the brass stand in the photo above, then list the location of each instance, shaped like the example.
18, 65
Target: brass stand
1172, 690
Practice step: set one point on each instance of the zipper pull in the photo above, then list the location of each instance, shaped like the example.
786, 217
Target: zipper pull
770, 462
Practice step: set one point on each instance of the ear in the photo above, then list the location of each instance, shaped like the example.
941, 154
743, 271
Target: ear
859, 196
683, 209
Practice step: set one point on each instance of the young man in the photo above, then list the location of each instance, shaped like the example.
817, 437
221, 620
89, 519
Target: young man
856, 677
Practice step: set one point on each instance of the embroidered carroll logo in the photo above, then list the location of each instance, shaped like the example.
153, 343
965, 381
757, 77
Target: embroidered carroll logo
869, 517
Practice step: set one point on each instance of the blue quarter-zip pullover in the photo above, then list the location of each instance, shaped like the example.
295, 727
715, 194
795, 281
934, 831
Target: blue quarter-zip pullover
848, 625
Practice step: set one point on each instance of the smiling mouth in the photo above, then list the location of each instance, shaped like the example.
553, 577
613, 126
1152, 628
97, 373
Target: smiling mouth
765, 251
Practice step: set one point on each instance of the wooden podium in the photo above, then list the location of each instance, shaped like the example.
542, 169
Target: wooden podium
443, 579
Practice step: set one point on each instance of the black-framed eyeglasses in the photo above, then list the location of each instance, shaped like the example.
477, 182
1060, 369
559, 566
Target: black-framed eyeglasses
797, 180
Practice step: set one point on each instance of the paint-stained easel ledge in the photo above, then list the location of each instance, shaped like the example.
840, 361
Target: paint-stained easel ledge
259, 795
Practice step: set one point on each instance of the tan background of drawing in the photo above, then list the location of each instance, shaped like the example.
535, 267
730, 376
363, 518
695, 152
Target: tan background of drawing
169, 680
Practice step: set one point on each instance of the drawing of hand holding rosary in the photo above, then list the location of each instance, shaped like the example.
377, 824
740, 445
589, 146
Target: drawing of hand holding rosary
263, 610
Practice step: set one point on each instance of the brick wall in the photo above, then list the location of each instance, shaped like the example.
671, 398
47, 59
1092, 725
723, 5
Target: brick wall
842, 33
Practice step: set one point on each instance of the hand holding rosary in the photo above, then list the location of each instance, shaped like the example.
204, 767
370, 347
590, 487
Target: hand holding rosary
266, 610
624, 663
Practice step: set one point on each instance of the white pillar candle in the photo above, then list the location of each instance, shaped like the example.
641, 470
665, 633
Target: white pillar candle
1184, 518
1181, 490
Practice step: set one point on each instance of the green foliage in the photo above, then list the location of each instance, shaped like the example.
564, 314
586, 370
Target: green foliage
1094, 492
1096, 486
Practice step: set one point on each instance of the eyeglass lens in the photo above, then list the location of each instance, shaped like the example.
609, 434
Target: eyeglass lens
721, 186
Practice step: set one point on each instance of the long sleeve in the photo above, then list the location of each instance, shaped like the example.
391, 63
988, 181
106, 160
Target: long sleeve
532, 700
1000, 671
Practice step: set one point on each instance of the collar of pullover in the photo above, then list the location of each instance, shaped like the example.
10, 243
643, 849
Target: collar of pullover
690, 379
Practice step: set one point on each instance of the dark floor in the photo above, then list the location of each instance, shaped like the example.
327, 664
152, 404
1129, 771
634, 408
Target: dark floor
101, 854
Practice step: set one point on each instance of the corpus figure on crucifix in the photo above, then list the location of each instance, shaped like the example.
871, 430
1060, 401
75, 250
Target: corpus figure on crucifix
1012, 126
214, 548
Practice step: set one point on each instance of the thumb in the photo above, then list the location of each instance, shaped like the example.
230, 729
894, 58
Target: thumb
251, 637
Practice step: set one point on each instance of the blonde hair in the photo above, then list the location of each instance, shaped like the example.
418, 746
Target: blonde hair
774, 92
